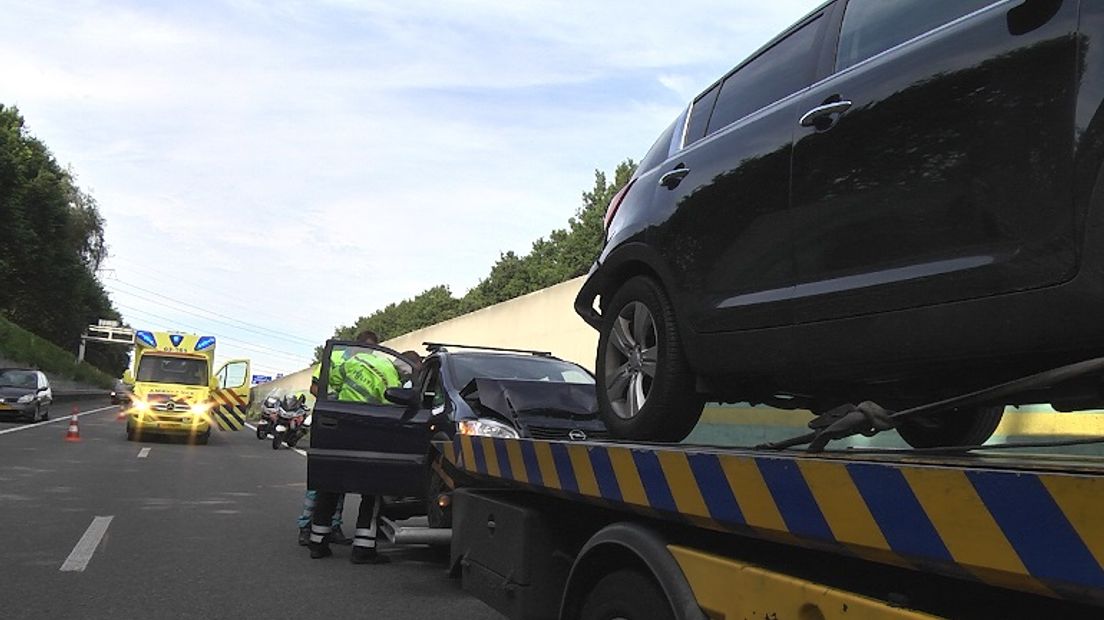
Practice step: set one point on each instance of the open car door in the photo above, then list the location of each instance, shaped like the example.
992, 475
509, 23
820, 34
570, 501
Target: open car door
359, 443
230, 400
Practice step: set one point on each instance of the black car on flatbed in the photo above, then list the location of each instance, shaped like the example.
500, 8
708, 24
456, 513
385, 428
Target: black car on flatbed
896, 202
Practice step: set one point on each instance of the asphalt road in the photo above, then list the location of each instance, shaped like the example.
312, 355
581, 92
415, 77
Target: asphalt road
194, 532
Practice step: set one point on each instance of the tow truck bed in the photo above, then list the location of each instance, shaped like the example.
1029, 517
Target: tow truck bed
1031, 524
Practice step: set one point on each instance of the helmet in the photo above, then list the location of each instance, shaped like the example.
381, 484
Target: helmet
290, 402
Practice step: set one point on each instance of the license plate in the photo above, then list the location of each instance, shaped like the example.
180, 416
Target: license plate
5, 407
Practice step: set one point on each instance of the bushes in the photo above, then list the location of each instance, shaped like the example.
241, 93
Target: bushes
23, 347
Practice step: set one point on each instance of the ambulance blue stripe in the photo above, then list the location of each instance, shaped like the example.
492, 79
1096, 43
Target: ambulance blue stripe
603, 473
563, 468
503, 460
655, 483
1022, 507
477, 453
532, 467
794, 499
715, 489
902, 519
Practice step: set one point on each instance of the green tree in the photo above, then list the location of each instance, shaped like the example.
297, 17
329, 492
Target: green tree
53, 244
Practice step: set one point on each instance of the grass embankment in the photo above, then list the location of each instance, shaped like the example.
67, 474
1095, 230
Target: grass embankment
20, 345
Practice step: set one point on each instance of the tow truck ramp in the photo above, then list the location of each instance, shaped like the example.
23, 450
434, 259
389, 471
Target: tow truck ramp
1033, 525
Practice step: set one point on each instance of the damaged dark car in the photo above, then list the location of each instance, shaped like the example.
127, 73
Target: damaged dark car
384, 448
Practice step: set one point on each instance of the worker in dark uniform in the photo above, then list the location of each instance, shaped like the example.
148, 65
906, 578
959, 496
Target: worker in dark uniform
359, 376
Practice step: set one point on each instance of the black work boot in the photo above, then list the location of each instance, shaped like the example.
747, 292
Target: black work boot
367, 555
319, 550
304, 536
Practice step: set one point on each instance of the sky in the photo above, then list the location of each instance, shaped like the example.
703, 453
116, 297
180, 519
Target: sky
268, 171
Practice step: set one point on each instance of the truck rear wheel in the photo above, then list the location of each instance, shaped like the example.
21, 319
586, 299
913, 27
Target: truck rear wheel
964, 427
628, 594
645, 385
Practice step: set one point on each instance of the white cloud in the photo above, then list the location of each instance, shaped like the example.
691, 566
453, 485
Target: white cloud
352, 153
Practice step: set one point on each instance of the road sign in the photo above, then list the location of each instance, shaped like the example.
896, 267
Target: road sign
107, 323
258, 379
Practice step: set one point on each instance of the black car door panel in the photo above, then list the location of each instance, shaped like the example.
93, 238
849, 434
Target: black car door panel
945, 172
359, 442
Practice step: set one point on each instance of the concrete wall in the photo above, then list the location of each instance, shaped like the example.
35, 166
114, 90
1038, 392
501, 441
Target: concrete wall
544, 320
294, 382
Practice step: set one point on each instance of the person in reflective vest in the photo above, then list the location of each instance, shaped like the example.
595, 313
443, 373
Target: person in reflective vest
362, 377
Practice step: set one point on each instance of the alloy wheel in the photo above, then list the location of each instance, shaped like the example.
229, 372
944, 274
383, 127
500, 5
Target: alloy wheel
631, 359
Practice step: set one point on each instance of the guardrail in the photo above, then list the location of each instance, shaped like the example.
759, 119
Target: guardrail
70, 396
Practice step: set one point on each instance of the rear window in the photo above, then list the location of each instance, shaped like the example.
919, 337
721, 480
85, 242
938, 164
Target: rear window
493, 366
782, 70
873, 26
178, 370
699, 116
659, 151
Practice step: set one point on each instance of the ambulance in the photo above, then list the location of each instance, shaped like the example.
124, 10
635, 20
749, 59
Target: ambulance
175, 391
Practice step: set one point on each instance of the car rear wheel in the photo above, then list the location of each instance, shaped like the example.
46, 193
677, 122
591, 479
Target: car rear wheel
645, 386
965, 427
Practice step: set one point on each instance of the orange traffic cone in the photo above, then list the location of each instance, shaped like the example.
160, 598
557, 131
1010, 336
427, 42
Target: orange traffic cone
122, 415
74, 430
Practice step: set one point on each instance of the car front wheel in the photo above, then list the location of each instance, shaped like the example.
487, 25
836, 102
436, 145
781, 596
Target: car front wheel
645, 385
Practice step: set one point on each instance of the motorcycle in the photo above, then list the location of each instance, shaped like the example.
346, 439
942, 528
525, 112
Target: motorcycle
290, 426
270, 412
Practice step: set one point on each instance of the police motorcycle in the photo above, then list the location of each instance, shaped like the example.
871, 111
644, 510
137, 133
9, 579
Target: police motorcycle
270, 413
292, 422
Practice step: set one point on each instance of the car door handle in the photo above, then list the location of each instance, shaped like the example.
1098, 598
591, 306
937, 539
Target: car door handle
816, 116
327, 422
672, 179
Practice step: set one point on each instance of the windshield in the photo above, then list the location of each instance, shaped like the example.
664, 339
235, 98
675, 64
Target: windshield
530, 368
178, 370
18, 378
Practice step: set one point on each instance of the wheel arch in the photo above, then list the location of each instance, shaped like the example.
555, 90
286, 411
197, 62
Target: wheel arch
628, 545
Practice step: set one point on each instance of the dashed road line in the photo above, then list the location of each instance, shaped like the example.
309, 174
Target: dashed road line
301, 452
143, 453
64, 418
82, 554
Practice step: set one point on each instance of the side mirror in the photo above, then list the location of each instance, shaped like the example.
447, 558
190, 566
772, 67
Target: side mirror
401, 396
43, 389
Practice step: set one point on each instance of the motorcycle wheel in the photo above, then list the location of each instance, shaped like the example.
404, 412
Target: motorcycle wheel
293, 439
276, 441
260, 432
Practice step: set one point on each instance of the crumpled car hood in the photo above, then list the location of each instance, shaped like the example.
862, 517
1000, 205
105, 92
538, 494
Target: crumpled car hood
512, 398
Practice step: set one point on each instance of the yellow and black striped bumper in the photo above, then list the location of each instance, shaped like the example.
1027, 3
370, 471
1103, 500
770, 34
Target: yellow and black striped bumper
989, 520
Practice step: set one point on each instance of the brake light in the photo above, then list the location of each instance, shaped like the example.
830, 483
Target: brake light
615, 203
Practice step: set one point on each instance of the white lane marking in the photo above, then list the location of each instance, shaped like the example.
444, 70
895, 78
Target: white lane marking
301, 452
64, 418
80, 556
143, 453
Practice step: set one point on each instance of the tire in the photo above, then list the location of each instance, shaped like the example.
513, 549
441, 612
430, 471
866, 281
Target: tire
36, 417
645, 385
436, 516
202, 440
967, 427
276, 441
260, 433
46, 414
628, 594
130, 434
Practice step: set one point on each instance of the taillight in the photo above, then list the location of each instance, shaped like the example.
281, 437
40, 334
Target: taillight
615, 203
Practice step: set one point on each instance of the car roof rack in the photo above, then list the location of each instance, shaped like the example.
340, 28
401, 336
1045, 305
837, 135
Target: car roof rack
434, 347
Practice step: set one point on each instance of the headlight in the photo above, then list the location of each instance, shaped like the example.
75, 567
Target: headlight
26, 398
140, 405
200, 407
487, 428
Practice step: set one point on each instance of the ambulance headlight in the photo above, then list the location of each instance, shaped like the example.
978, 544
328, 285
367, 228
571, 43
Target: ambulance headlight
200, 408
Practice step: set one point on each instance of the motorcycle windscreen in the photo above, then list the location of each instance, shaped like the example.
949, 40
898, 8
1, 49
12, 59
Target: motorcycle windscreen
360, 442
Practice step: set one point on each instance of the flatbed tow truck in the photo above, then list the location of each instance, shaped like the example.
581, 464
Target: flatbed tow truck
588, 529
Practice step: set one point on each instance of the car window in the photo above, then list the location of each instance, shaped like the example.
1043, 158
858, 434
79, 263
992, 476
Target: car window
699, 116
660, 150
783, 69
432, 392
532, 368
166, 369
873, 26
